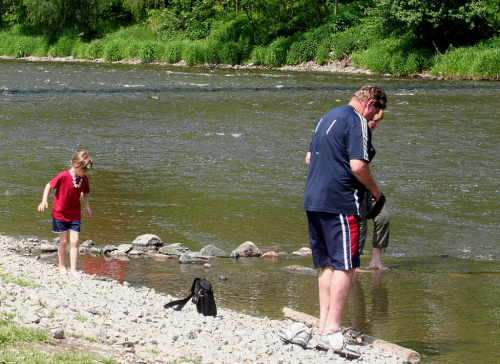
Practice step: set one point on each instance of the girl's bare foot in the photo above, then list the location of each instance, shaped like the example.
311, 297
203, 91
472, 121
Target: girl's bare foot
75, 274
63, 270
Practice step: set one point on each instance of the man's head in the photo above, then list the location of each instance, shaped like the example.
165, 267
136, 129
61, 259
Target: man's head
369, 100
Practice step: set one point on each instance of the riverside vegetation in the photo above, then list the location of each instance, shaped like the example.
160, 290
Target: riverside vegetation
446, 38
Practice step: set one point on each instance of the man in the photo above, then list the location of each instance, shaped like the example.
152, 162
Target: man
337, 178
381, 223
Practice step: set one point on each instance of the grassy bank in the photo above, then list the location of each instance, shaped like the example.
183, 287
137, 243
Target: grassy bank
230, 44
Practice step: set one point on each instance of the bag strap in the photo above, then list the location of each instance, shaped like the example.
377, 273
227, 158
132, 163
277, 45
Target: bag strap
181, 303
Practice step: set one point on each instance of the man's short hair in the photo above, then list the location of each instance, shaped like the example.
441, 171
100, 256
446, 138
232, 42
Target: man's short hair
370, 92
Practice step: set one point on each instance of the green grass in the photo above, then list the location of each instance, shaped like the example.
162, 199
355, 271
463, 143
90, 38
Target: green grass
16, 347
481, 62
23, 282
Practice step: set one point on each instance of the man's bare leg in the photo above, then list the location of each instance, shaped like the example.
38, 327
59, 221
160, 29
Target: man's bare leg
340, 286
376, 262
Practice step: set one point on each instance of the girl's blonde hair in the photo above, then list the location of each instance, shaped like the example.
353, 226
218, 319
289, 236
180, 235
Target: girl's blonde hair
379, 116
81, 160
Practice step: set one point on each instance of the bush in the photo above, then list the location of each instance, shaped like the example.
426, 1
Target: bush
193, 53
230, 53
472, 62
63, 47
114, 51
147, 52
353, 39
302, 51
211, 51
258, 56
24, 47
393, 56
173, 52
79, 49
133, 50
95, 49
322, 53
276, 52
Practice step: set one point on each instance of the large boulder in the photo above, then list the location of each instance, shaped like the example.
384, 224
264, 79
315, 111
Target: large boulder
147, 240
247, 249
213, 251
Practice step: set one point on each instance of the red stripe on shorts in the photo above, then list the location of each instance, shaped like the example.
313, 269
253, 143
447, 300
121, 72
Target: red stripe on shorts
354, 229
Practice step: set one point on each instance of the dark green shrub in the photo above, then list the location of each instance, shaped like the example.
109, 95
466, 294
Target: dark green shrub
193, 53
258, 56
230, 53
24, 47
62, 48
133, 50
353, 39
212, 51
95, 49
114, 51
147, 52
302, 51
173, 52
488, 65
276, 52
322, 53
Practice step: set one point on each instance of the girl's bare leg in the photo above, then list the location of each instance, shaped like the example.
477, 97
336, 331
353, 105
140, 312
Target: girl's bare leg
61, 251
73, 254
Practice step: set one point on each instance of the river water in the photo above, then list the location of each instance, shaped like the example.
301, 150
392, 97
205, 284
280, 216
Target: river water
216, 156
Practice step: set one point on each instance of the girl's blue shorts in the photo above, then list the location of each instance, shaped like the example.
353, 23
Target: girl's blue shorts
59, 226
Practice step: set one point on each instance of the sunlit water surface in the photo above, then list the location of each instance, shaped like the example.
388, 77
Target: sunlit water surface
209, 156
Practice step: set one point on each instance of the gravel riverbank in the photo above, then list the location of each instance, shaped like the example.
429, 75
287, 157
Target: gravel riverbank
342, 66
131, 325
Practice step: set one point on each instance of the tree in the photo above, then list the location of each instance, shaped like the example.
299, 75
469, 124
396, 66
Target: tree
54, 17
439, 22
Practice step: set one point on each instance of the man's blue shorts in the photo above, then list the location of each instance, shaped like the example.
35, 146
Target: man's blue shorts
334, 240
59, 226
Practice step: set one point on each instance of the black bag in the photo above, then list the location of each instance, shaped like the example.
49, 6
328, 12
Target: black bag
203, 298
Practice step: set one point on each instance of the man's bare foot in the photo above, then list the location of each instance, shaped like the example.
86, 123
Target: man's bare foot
63, 270
75, 274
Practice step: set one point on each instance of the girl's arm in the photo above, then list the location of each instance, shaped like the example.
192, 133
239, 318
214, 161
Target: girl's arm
85, 197
45, 196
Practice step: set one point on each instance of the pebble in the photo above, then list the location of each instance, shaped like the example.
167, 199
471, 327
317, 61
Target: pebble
133, 325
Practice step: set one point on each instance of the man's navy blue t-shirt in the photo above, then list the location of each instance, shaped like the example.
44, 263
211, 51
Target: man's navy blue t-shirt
339, 136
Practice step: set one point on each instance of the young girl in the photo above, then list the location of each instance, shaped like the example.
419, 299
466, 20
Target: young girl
66, 212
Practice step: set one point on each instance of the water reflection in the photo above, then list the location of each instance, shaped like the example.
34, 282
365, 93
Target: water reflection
368, 307
200, 157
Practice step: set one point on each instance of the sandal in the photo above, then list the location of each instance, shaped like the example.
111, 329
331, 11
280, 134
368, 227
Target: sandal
298, 334
337, 343
352, 336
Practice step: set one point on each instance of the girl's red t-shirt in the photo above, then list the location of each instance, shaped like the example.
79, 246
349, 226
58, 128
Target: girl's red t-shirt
67, 198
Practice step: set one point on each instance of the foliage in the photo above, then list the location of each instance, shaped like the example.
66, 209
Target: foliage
55, 16
277, 51
63, 47
393, 56
95, 50
173, 51
147, 52
193, 53
479, 62
353, 39
439, 22
114, 51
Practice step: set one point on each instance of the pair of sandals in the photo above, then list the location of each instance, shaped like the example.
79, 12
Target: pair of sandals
300, 334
